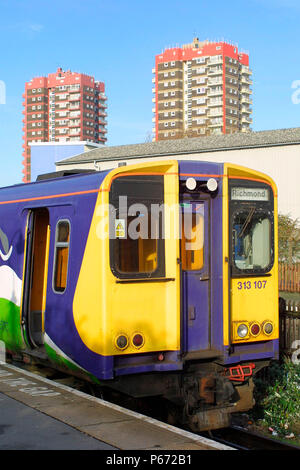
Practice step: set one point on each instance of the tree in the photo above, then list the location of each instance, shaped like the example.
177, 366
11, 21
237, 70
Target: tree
288, 239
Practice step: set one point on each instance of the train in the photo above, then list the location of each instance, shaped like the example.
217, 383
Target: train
153, 280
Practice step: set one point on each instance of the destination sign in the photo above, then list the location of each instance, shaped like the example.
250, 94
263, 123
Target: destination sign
250, 194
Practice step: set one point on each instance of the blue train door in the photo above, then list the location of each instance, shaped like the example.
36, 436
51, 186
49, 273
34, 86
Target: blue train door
195, 264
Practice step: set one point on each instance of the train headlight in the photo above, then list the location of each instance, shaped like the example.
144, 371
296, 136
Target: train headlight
121, 342
191, 184
268, 328
212, 184
242, 330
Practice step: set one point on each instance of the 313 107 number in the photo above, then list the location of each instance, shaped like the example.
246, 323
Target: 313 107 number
251, 285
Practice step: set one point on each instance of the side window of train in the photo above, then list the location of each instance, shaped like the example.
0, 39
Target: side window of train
136, 235
61, 255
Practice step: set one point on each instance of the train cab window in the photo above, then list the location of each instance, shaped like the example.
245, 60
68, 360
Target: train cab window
252, 227
136, 232
252, 245
61, 258
192, 239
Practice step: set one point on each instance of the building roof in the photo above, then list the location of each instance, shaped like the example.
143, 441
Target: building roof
189, 145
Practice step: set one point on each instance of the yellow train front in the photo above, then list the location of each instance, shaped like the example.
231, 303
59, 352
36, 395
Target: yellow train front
155, 279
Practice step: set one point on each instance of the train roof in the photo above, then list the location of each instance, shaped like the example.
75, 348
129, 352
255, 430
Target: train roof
75, 182
67, 184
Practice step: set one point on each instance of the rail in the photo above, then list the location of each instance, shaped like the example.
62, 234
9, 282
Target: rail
242, 439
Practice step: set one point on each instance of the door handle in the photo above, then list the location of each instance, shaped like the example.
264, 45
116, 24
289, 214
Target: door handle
192, 312
204, 278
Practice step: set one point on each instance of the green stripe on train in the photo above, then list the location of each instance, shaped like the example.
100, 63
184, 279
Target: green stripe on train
62, 361
10, 327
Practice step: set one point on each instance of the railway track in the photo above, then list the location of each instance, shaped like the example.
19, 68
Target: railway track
241, 439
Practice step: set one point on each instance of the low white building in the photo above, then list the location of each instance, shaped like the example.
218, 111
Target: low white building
276, 153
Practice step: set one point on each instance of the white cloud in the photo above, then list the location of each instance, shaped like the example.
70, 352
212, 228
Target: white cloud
36, 28
27, 28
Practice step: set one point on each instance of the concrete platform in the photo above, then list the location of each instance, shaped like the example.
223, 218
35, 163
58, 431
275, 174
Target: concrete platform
23, 428
37, 413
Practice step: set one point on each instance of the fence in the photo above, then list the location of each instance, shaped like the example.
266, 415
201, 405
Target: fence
289, 277
289, 330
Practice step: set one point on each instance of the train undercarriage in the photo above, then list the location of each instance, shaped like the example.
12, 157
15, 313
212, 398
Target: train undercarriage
202, 397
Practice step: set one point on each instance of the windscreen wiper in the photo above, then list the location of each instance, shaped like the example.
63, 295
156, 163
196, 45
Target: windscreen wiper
247, 222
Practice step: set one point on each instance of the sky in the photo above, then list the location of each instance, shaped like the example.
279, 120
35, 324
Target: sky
116, 42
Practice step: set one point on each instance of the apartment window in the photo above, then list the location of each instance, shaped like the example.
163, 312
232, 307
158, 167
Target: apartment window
172, 93
172, 103
166, 64
172, 83
172, 63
